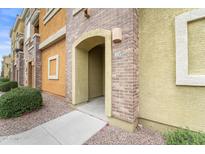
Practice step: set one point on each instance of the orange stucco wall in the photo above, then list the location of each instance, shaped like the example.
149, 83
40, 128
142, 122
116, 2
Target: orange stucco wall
56, 23
54, 86
59, 48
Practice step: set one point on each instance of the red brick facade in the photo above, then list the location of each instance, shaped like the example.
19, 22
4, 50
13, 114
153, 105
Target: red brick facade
124, 55
32, 54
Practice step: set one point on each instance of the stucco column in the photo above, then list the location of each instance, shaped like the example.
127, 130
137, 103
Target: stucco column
12, 71
21, 68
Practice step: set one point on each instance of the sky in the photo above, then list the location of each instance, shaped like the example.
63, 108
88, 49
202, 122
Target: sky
7, 20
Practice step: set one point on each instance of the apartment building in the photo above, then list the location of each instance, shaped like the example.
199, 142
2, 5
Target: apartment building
146, 64
6, 67
102, 61
32, 55
52, 29
17, 54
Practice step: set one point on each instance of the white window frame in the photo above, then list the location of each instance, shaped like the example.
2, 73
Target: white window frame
49, 9
50, 13
76, 11
181, 34
53, 77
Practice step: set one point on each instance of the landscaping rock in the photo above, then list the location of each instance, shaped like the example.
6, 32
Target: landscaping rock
53, 107
110, 135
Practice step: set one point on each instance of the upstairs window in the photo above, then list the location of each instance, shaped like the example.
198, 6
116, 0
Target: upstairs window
53, 67
189, 45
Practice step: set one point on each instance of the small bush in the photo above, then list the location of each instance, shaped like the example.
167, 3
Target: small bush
184, 137
7, 86
4, 79
18, 101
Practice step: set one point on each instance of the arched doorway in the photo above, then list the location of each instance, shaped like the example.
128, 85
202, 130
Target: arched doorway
91, 68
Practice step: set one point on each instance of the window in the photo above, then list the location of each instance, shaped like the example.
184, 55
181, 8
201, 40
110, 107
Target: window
181, 32
53, 66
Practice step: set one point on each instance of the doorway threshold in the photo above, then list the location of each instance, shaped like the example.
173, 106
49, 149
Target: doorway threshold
95, 107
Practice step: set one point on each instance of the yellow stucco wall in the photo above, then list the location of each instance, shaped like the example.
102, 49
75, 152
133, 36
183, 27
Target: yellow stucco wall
96, 74
160, 99
54, 86
13, 42
90, 74
81, 76
196, 42
19, 28
6, 66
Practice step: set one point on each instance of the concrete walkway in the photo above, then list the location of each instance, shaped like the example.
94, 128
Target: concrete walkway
73, 128
95, 107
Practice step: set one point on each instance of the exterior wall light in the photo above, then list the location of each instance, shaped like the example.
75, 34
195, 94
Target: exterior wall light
87, 13
116, 35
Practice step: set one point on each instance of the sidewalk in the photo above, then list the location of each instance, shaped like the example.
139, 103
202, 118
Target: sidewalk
73, 128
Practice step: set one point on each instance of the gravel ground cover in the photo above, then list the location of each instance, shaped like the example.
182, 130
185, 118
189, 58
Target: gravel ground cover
54, 106
110, 135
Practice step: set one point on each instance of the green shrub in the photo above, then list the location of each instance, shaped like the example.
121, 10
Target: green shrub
7, 86
18, 101
184, 137
4, 79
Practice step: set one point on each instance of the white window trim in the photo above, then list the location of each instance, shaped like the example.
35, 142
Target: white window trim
49, 15
53, 77
181, 32
76, 11
30, 48
49, 9
53, 38
28, 30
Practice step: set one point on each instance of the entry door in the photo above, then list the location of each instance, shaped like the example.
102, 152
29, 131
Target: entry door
15, 73
96, 72
30, 74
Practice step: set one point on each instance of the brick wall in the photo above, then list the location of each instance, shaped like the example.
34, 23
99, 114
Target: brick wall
32, 54
20, 68
37, 62
124, 67
29, 55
